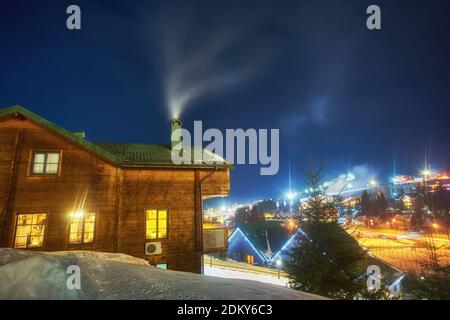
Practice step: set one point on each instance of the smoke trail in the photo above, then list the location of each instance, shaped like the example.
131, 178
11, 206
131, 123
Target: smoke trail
196, 71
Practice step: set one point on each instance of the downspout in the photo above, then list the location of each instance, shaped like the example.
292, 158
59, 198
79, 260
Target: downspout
10, 195
199, 207
117, 208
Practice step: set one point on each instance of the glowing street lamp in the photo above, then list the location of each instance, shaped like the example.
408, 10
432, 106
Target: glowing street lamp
279, 264
291, 224
290, 195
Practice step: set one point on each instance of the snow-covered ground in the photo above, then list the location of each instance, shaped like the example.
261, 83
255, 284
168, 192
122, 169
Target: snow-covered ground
245, 275
38, 275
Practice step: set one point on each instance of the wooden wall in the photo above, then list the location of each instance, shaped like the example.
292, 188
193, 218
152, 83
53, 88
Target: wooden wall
119, 196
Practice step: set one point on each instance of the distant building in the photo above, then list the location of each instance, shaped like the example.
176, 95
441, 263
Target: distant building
60, 191
259, 243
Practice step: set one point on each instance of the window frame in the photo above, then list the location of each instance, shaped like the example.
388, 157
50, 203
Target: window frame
44, 241
157, 225
44, 173
83, 231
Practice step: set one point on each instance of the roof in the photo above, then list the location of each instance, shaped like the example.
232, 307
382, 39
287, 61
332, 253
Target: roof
277, 235
389, 273
122, 154
148, 154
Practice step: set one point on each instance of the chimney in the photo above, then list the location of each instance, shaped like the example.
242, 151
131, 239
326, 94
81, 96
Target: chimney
80, 134
176, 136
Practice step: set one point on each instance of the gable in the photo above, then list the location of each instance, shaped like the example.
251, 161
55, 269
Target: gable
120, 154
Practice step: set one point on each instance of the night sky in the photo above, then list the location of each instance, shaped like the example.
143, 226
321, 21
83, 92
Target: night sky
338, 92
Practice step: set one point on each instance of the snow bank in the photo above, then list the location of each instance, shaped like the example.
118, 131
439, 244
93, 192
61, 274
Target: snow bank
38, 275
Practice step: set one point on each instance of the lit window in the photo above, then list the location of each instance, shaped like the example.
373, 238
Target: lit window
156, 224
82, 228
30, 230
163, 266
45, 163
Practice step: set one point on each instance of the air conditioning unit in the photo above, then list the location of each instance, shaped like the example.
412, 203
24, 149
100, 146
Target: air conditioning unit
152, 248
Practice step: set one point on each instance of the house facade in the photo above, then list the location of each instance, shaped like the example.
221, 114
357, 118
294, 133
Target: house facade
60, 191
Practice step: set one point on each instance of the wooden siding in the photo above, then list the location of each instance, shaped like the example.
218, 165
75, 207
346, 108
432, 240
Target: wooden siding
119, 195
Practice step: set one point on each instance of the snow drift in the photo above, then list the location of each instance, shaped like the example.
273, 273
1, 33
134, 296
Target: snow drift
42, 275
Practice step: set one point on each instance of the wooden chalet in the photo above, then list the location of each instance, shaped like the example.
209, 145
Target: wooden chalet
60, 191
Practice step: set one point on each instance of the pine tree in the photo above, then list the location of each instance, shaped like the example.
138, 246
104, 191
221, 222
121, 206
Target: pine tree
325, 259
433, 281
365, 205
419, 205
319, 208
383, 203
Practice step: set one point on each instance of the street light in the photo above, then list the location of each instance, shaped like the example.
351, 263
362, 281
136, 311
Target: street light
279, 264
290, 195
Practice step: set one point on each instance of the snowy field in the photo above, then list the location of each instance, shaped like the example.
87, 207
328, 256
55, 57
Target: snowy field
38, 275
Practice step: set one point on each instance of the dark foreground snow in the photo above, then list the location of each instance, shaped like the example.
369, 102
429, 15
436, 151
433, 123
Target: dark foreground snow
39, 275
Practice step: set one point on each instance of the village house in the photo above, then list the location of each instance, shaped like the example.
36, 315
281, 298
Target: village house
60, 191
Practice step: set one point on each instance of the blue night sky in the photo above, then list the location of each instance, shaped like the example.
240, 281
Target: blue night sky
337, 91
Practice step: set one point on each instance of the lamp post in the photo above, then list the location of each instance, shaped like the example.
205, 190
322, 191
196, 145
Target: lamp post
279, 264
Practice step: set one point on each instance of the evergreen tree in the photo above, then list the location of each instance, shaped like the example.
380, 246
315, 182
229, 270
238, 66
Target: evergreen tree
256, 215
242, 215
433, 282
383, 203
418, 215
365, 204
318, 208
325, 259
